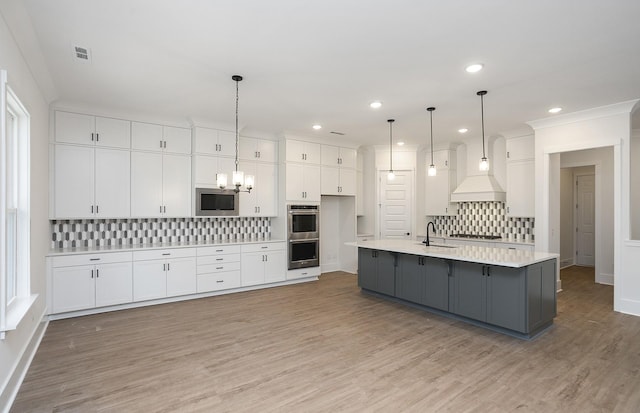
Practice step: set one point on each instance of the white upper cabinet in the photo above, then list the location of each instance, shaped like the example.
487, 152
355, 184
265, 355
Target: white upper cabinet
520, 176
214, 142
90, 182
438, 188
152, 137
304, 152
262, 200
303, 183
254, 149
338, 156
520, 148
92, 130
206, 168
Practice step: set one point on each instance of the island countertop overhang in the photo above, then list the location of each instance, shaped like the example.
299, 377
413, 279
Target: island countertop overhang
470, 253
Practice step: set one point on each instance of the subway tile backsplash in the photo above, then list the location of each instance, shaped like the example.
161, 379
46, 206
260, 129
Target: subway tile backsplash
112, 232
486, 218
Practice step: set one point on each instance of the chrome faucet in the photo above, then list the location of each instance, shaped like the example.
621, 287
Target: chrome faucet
433, 226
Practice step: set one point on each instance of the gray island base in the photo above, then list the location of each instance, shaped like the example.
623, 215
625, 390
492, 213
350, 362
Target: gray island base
508, 291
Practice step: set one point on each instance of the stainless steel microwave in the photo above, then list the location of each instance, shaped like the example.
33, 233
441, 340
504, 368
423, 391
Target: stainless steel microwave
211, 202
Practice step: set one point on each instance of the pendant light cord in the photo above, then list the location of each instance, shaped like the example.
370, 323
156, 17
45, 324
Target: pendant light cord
237, 83
391, 144
431, 122
484, 156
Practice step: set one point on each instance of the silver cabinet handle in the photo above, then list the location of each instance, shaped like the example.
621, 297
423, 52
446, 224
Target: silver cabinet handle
164, 267
97, 209
97, 273
161, 209
92, 141
92, 209
94, 259
91, 273
97, 137
166, 253
220, 281
219, 259
168, 267
219, 268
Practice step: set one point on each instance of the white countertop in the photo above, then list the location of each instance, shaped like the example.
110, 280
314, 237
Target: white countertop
501, 240
139, 247
470, 253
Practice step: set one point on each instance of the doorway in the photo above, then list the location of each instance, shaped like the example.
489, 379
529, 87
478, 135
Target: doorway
395, 203
585, 220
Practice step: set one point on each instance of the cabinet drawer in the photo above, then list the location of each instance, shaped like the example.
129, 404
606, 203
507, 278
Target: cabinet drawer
218, 249
215, 268
271, 246
218, 259
163, 254
218, 281
84, 259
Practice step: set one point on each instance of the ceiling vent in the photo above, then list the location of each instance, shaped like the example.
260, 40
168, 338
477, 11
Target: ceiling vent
82, 54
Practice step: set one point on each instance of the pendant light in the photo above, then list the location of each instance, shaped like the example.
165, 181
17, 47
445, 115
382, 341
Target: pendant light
484, 162
432, 168
238, 176
391, 175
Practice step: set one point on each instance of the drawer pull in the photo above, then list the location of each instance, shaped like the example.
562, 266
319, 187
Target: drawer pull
219, 259
94, 259
219, 250
166, 253
265, 247
220, 281
219, 268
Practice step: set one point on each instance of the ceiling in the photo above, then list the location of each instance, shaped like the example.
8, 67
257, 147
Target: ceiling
325, 61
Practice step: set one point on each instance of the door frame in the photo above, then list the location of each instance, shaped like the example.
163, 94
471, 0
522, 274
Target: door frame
379, 174
575, 215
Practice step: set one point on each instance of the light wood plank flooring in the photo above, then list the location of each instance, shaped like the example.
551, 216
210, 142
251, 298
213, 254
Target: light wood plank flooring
325, 347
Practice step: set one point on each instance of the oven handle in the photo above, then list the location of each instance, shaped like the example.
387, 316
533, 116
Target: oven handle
294, 241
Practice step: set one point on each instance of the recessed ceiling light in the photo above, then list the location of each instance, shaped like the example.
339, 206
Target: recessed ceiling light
317, 127
400, 143
555, 110
476, 67
376, 104
463, 130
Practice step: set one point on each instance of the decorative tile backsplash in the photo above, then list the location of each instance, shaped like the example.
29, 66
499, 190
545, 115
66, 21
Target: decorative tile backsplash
486, 218
111, 232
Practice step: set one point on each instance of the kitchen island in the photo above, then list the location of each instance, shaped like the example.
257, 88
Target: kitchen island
510, 291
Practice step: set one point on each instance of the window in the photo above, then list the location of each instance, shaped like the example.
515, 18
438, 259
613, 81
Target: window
15, 294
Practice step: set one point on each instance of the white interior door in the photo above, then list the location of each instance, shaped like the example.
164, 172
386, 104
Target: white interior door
585, 214
396, 205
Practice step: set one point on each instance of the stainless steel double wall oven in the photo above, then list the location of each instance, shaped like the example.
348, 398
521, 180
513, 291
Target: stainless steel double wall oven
304, 236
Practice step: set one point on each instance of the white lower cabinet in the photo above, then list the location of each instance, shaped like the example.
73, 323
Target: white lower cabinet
218, 268
92, 280
263, 263
163, 273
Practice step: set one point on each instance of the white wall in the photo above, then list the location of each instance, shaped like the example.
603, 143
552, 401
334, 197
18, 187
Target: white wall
608, 126
15, 349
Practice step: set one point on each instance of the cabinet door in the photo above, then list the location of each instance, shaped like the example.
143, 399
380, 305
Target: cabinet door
267, 150
348, 158
311, 183
410, 278
252, 268
330, 180
470, 290
112, 183
249, 201
520, 189
275, 266
206, 141
176, 185
73, 288
178, 140
312, 153
114, 284
149, 280
520, 148
146, 184
146, 136
181, 276
248, 148
367, 269
74, 128
360, 193
506, 297
386, 272
267, 189
294, 182
294, 150
330, 155
113, 133
436, 283
436, 199
441, 159
227, 144
73, 181
347, 181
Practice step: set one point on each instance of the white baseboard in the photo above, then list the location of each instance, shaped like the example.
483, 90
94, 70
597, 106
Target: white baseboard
629, 307
10, 391
568, 262
329, 267
605, 279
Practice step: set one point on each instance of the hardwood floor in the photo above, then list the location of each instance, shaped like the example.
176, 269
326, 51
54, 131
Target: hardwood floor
324, 346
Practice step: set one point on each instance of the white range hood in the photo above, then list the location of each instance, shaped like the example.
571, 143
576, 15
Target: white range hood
478, 186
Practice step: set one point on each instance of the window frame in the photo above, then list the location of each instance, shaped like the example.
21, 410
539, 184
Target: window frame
17, 204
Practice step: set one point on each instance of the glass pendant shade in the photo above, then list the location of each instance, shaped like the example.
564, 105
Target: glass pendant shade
221, 181
432, 170
484, 164
238, 178
249, 181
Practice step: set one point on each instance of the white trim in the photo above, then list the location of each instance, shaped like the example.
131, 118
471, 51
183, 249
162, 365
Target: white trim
603, 278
